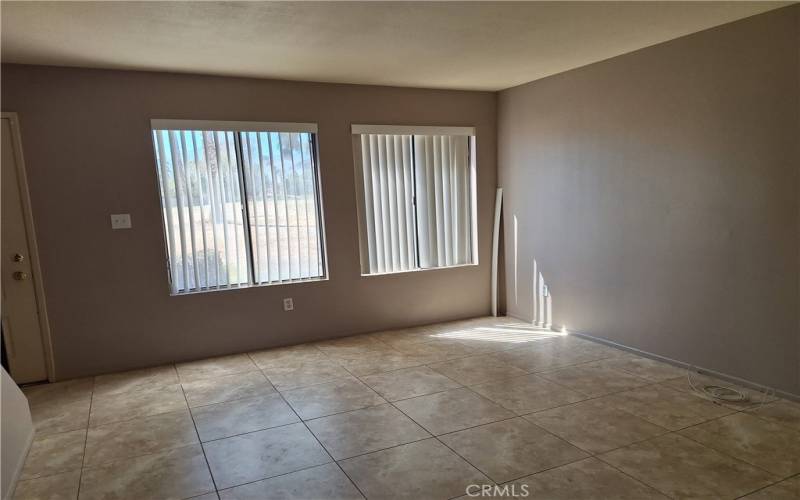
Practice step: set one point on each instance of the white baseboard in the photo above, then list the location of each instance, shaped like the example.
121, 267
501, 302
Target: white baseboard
723, 376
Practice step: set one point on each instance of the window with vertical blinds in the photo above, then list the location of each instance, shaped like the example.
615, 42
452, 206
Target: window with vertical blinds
240, 203
417, 197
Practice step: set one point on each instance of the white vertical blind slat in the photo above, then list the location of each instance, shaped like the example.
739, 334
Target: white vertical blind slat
293, 175
236, 205
261, 171
169, 216
308, 193
189, 206
408, 182
438, 193
223, 207
421, 200
369, 200
285, 209
447, 200
181, 251
426, 231
252, 206
275, 204
205, 178
471, 161
454, 201
378, 202
316, 196
431, 176
460, 174
385, 216
212, 201
198, 182
389, 167
400, 200
465, 198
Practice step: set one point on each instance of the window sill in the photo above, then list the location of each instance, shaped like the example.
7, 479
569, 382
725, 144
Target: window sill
248, 286
442, 268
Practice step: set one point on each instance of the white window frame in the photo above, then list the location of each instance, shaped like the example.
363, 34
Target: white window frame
236, 127
357, 130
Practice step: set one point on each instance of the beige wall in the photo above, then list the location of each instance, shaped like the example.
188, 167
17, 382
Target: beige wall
88, 151
659, 193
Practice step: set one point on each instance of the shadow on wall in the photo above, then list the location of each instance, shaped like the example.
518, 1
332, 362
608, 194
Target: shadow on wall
542, 298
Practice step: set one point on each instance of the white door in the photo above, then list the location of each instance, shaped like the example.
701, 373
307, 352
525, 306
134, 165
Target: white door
22, 328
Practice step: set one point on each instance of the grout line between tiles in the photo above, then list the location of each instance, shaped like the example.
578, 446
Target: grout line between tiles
233, 400
275, 476
677, 432
786, 427
323, 447
533, 423
148, 415
85, 441
200, 441
433, 436
599, 457
769, 486
722, 452
429, 436
250, 432
326, 381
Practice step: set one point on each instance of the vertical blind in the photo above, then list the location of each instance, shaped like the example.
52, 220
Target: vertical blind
417, 209
281, 193
388, 180
444, 200
239, 207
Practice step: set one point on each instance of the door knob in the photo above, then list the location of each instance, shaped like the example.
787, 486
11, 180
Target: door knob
20, 276
18, 257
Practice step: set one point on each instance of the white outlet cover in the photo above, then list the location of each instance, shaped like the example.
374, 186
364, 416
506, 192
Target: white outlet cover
288, 304
120, 221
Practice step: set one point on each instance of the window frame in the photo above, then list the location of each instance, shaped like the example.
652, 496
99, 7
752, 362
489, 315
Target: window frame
357, 130
237, 128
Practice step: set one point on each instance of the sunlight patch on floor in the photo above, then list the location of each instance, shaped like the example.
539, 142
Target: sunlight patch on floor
501, 333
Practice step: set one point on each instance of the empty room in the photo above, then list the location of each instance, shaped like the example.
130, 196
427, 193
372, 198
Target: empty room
414, 250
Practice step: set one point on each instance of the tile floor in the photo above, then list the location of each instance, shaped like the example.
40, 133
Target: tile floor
418, 413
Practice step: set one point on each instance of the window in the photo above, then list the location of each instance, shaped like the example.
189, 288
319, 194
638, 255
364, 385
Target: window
240, 202
417, 197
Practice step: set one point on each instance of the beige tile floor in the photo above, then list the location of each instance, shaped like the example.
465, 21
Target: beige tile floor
418, 413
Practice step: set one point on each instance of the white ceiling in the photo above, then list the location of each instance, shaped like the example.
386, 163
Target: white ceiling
460, 45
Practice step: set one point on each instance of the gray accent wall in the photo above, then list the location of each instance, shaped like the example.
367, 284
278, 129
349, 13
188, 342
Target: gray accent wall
659, 193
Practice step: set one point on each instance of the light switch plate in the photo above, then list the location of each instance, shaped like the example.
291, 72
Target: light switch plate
120, 221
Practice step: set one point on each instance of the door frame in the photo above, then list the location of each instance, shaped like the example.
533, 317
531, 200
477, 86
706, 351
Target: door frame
33, 249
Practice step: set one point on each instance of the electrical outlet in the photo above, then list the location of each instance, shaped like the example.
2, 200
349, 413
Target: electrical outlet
120, 221
288, 304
